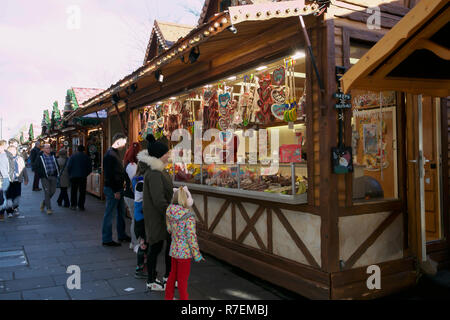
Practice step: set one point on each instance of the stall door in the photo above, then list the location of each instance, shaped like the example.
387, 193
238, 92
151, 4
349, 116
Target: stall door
423, 164
431, 169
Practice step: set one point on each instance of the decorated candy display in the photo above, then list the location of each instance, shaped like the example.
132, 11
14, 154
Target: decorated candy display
264, 114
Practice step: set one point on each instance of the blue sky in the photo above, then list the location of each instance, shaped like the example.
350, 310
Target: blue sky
41, 56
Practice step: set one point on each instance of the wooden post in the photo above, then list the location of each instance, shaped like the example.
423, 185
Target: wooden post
124, 129
328, 133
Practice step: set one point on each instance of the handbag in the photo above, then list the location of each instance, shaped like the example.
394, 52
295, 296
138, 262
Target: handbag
58, 178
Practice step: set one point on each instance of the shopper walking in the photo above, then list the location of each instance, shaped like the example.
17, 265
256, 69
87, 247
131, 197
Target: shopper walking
184, 247
63, 181
114, 181
158, 192
79, 167
34, 154
4, 178
18, 175
130, 164
48, 171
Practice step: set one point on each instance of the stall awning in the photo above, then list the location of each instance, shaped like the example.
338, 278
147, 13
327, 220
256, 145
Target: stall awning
255, 22
413, 57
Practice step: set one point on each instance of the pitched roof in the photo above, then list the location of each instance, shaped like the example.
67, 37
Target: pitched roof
166, 33
204, 16
84, 94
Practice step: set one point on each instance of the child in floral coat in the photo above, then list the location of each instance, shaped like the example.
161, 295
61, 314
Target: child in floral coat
181, 225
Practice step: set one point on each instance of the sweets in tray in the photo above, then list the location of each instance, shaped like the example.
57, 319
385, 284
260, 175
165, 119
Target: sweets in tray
226, 177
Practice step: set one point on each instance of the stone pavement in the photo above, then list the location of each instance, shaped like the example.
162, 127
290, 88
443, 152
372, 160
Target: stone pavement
36, 249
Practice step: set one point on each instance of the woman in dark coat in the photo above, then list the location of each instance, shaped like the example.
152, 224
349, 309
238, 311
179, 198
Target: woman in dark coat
157, 195
64, 181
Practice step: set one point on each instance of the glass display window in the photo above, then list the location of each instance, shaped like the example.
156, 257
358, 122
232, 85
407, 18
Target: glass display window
260, 112
374, 139
374, 146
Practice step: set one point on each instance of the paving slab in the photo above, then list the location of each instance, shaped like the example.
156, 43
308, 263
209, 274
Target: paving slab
53, 293
128, 285
61, 279
11, 296
28, 283
93, 290
6, 275
39, 272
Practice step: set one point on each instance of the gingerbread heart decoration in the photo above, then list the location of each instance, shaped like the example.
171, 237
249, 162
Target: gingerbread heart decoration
264, 83
278, 110
151, 124
160, 122
278, 76
264, 94
224, 99
224, 123
279, 95
207, 95
177, 107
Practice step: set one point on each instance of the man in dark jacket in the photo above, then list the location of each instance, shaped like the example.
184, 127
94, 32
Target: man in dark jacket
114, 179
34, 154
79, 167
47, 169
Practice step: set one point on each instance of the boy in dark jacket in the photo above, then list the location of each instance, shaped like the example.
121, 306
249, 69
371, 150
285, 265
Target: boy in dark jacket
114, 179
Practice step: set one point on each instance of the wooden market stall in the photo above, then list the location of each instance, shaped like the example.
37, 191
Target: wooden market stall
88, 130
414, 57
338, 202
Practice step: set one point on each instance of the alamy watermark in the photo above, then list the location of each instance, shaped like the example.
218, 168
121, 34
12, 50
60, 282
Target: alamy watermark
374, 20
374, 280
227, 147
74, 280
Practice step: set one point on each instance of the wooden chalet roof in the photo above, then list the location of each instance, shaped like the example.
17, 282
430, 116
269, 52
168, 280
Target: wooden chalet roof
165, 34
280, 19
414, 56
210, 7
77, 99
84, 94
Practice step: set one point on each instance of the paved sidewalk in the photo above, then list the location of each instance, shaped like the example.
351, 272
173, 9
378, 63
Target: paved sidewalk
51, 243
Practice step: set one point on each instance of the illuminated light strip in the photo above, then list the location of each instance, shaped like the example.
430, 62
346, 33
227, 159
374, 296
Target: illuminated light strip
214, 28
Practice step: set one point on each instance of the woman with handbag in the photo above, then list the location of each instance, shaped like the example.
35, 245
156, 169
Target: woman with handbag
63, 180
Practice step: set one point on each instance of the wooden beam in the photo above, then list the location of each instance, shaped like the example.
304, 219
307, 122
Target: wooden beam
124, 129
197, 213
233, 221
374, 207
411, 45
219, 215
250, 225
269, 204
370, 240
438, 88
243, 258
327, 139
309, 257
437, 49
269, 231
289, 265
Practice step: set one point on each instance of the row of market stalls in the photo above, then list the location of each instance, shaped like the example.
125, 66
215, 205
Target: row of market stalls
87, 130
308, 179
